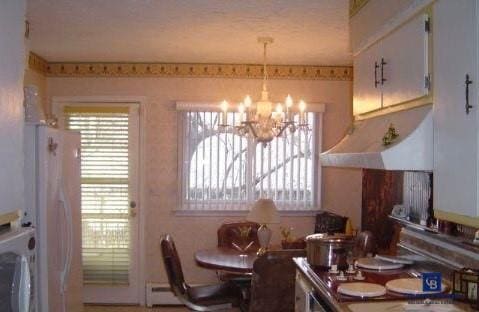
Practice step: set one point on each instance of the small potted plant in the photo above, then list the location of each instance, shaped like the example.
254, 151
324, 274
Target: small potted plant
288, 241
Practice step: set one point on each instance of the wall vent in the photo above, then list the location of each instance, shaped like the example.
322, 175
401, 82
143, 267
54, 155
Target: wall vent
160, 294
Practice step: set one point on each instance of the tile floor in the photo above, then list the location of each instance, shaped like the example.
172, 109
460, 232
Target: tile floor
104, 308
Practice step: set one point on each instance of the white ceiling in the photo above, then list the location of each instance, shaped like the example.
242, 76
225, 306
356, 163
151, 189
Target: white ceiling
312, 32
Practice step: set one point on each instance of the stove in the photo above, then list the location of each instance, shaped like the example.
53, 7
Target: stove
431, 253
331, 282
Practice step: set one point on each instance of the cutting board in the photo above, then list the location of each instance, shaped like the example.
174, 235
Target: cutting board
410, 286
377, 264
361, 289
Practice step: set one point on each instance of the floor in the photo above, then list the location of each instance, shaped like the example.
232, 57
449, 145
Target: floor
104, 308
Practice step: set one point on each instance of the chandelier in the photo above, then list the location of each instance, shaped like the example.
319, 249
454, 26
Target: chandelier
258, 119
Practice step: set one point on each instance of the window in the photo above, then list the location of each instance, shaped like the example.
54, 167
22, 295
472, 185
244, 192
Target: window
220, 170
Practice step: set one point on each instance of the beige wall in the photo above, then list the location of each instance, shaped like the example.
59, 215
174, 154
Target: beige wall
372, 16
341, 187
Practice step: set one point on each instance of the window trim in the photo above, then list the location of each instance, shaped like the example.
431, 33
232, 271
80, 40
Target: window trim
181, 106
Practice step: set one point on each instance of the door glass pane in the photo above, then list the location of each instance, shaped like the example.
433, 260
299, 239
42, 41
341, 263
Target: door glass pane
105, 192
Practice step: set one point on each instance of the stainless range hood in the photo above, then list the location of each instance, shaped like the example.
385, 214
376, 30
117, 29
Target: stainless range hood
363, 147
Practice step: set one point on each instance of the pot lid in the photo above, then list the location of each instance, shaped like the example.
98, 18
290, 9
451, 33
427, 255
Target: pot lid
325, 238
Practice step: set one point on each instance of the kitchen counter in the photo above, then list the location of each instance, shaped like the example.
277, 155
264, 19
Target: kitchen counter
323, 289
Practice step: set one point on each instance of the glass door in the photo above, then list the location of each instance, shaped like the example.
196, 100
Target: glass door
109, 192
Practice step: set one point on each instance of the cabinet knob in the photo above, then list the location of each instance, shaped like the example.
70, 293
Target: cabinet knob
132, 209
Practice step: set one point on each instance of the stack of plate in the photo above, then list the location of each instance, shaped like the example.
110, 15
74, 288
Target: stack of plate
377, 264
360, 289
410, 286
406, 259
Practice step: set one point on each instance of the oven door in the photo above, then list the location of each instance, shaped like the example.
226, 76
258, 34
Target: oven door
316, 304
16, 264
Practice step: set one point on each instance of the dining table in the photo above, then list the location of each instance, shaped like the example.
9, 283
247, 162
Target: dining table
226, 259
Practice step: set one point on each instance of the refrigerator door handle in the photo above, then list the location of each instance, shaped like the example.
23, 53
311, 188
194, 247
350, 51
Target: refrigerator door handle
69, 222
21, 286
25, 286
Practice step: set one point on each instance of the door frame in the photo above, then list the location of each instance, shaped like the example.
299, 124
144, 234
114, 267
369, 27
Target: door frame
57, 103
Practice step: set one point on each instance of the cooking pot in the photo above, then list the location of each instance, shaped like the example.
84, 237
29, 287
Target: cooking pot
323, 250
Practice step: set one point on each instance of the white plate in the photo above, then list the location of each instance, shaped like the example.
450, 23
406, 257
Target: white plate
376, 264
394, 259
410, 286
361, 289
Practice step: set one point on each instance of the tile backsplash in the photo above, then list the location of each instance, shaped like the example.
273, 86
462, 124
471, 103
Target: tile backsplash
417, 195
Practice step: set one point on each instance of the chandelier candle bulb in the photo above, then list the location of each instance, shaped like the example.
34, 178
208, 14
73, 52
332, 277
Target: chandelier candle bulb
302, 112
279, 108
224, 111
241, 109
289, 104
279, 112
247, 104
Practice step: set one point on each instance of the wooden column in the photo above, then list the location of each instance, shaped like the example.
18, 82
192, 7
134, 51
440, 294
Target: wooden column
381, 191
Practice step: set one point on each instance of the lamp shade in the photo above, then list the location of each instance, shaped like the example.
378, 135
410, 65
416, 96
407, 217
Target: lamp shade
263, 212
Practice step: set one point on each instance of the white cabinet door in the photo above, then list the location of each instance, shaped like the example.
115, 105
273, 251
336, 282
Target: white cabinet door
367, 93
405, 53
455, 131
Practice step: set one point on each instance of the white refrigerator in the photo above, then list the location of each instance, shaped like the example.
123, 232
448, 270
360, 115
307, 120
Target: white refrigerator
52, 175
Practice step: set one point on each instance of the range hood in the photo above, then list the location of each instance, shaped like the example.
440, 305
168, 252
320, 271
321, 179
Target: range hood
363, 147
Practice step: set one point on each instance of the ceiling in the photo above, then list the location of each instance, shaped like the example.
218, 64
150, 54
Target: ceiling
314, 32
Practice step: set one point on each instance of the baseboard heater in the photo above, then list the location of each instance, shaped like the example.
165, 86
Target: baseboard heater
160, 294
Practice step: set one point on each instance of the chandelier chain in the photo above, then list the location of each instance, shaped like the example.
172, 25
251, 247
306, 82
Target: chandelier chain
265, 72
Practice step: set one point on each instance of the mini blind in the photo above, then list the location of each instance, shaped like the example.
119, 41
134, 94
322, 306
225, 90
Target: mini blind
104, 191
221, 170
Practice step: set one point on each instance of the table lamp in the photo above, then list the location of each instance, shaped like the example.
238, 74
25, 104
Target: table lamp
263, 212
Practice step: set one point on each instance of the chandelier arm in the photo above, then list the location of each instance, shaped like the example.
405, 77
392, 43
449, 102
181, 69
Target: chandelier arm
283, 127
250, 125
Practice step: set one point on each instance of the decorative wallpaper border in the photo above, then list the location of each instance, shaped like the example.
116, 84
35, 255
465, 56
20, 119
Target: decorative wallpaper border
355, 6
37, 63
185, 70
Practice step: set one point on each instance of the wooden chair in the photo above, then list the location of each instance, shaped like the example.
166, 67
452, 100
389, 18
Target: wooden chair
234, 233
273, 281
230, 233
199, 298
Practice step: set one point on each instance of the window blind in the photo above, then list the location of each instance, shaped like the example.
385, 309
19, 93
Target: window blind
221, 170
104, 191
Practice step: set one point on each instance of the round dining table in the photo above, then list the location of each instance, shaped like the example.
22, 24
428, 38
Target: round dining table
226, 259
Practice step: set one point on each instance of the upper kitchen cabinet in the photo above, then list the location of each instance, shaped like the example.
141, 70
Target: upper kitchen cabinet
404, 53
367, 91
456, 125
394, 70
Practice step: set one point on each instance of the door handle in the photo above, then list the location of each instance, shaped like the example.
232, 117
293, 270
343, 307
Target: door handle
376, 82
132, 208
467, 83
382, 71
